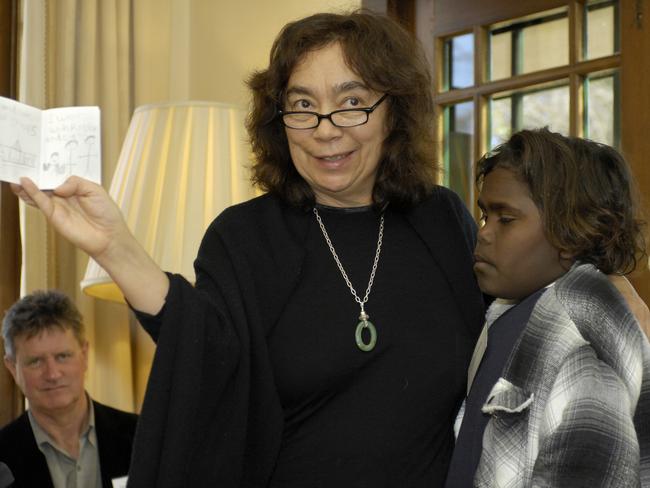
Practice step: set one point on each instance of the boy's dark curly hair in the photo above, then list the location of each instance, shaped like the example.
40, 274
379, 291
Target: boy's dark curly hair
585, 193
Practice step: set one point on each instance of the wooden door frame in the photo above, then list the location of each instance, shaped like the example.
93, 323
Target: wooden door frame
635, 106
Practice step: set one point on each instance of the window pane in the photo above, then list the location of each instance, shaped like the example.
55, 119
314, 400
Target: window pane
459, 62
549, 107
601, 29
529, 44
500, 120
530, 109
500, 55
545, 45
459, 141
601, 108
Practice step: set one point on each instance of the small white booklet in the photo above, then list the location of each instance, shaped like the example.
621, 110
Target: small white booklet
49, 145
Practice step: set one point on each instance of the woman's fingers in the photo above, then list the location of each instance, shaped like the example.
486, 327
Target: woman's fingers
36, 196
20, 192
16, 188
75, 185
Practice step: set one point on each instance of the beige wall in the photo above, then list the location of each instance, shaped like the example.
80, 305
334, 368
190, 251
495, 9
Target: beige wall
205, 49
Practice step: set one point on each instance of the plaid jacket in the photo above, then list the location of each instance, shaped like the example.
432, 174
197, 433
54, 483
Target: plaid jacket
572, 407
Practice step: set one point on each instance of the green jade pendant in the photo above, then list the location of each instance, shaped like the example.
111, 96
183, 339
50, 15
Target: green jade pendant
364, 323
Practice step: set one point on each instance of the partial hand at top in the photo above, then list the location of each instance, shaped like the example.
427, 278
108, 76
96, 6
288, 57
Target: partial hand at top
81, 211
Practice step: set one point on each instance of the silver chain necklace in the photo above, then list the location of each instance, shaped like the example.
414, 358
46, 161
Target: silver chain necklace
364, 323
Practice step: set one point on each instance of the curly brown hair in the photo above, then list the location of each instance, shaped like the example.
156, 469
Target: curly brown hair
585, 192
389, 60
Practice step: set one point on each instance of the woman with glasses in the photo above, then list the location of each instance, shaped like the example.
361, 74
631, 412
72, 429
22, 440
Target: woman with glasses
327, 338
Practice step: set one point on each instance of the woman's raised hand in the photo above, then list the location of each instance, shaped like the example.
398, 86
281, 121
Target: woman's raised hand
81, 211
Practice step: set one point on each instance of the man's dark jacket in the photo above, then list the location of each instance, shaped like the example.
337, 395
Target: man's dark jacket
115, 430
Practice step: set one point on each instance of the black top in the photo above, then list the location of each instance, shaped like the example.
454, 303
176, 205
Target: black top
380, 418
503, 334
212, 414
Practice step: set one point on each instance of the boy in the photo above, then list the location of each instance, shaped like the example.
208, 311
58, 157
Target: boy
562, 393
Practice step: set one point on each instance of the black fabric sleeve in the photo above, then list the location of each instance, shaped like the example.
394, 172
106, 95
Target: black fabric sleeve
152, 323
191, 398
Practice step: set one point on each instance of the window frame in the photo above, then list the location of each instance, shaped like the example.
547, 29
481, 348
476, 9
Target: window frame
437, 19
576, 71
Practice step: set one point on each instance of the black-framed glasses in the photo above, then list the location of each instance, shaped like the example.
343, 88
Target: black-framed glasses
348, 117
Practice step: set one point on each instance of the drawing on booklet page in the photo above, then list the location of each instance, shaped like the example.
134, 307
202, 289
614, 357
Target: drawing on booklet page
16, 155
49, 145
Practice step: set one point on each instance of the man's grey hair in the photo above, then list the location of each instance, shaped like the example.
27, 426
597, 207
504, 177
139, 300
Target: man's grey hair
37, 312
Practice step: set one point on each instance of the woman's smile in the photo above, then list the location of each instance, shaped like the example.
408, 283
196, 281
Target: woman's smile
335, 158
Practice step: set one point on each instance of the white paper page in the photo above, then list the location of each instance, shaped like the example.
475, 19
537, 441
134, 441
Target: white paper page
20, 138
71, 145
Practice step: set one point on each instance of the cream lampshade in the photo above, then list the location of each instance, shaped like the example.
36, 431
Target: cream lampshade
180, 165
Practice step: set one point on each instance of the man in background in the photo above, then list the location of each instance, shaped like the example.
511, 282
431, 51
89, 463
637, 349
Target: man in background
65, 439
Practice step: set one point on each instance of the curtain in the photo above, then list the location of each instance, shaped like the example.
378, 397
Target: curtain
80, 52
